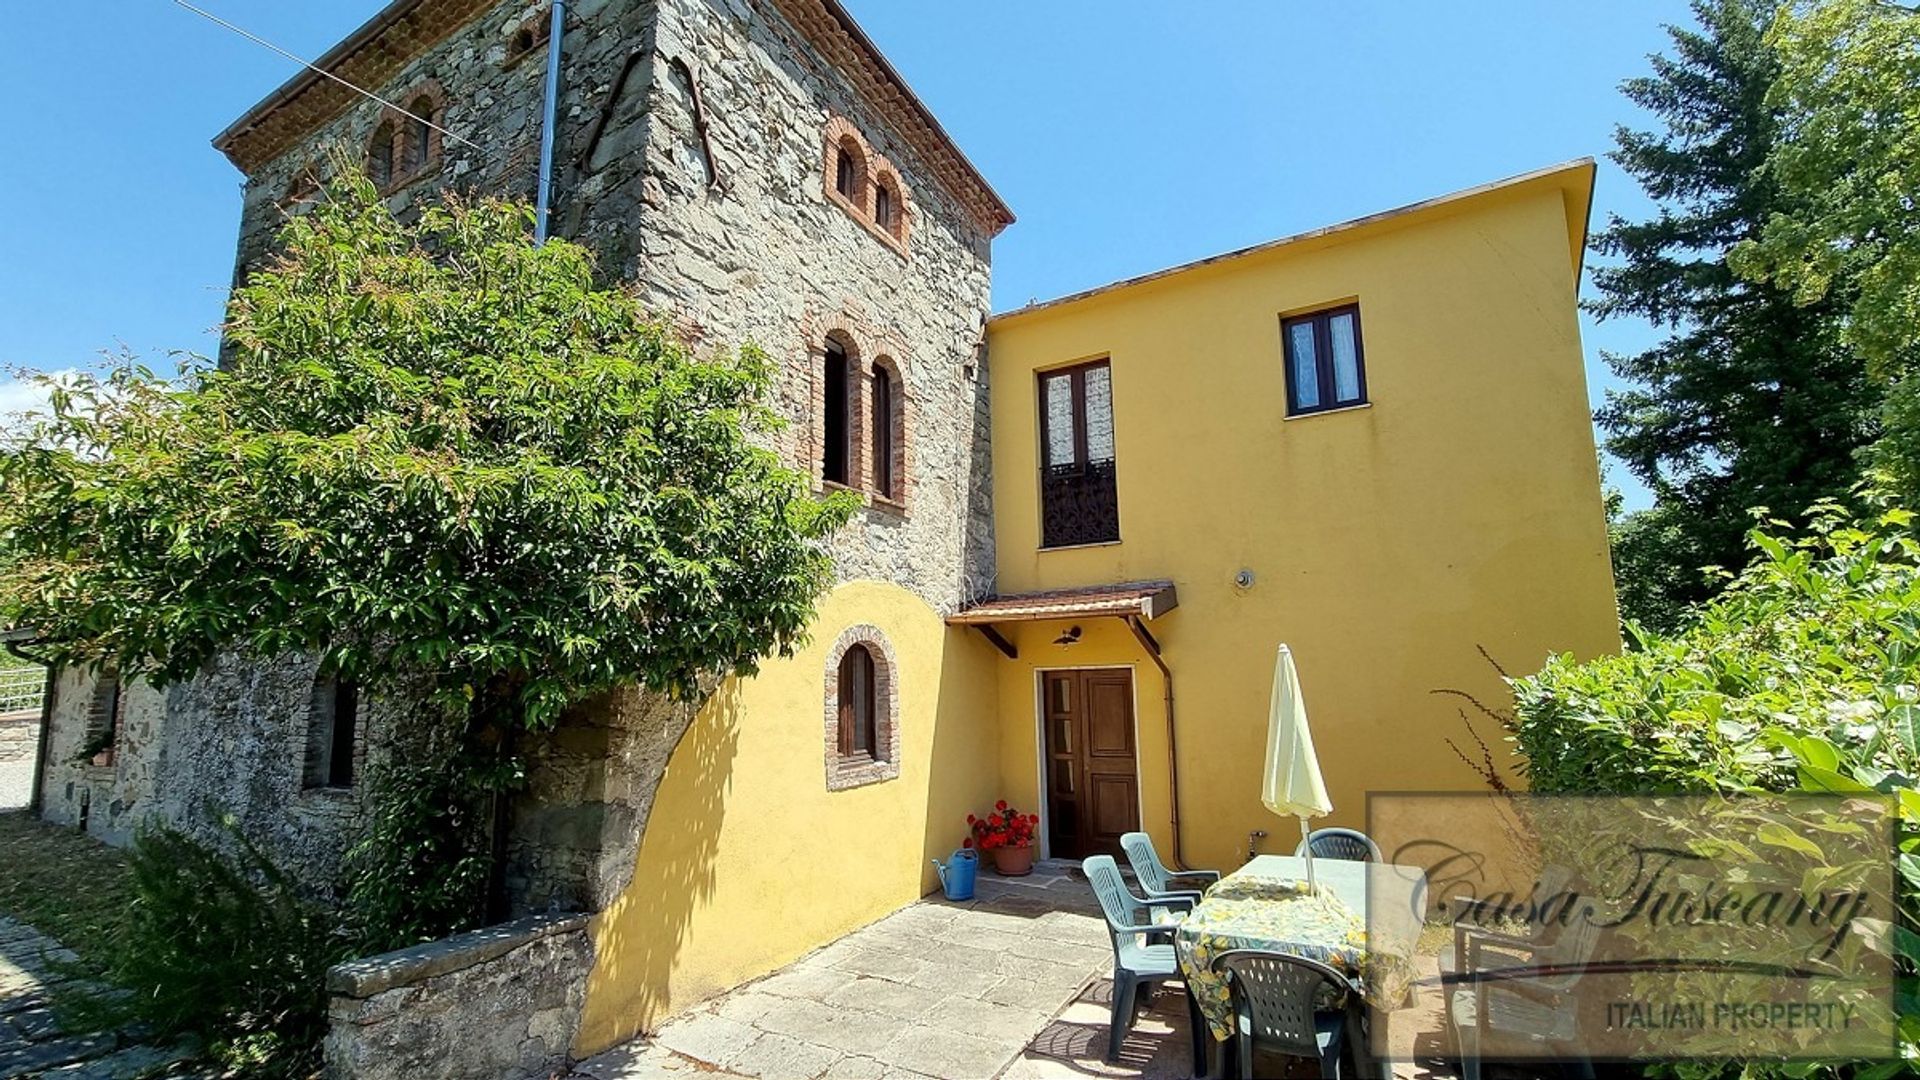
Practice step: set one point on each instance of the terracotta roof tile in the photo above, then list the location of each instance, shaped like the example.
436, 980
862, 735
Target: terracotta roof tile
1148, 599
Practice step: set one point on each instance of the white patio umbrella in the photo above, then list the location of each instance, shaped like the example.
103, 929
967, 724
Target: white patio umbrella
1292, 786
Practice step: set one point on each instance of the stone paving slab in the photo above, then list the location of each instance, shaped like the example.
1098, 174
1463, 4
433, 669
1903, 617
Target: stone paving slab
1015, 985
938, 989
34, 970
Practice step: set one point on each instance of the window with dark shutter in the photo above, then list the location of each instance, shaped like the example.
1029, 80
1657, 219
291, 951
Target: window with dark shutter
380, 157
1079, 495
835, 460
857, 711
420, 136
883, 434
846, 174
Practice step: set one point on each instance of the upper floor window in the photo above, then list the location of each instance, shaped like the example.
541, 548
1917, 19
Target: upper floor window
883, 425
422, 139
864, 184
837, 446
380, 156
333, 724
848, 172
1326, 368
1079, 497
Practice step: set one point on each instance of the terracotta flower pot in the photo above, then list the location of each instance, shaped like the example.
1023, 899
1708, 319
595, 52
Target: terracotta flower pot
1013, 861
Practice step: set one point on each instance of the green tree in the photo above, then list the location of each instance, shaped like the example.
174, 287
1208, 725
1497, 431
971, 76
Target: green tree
438, 454
1750, 399
1848, 157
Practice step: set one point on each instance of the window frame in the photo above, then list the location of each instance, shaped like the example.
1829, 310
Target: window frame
836, 364
884, 395
1082, 455
1321, 319
859, 705
382, 151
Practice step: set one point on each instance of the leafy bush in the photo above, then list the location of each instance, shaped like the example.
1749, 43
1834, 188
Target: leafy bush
1804, 675
222, 949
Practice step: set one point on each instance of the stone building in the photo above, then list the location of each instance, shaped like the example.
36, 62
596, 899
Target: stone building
761, 174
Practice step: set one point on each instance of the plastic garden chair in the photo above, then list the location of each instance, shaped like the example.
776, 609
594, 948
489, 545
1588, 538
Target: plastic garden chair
1137, 961
1287, 1005
1537, 1008
1155, 879
1349, 844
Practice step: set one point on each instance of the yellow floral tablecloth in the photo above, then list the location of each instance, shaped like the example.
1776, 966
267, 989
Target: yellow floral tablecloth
1266, 905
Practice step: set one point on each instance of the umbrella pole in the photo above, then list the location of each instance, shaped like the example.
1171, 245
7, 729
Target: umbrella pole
1308, 848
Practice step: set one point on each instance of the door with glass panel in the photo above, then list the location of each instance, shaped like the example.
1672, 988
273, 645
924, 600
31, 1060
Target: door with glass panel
1093, 779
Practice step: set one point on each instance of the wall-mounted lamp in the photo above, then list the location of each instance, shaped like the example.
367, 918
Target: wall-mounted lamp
1071, 637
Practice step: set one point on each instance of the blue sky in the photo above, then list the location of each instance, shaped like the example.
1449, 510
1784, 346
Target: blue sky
1127, 136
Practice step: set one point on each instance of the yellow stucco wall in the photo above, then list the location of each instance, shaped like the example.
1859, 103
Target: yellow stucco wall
749, 861
1460, 509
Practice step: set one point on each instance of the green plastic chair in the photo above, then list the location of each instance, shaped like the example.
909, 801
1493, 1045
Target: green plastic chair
1288, 1005
1155, 879
1349, 844
1137, 961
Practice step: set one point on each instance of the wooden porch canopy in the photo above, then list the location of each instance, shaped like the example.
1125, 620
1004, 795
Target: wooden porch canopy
1133, 601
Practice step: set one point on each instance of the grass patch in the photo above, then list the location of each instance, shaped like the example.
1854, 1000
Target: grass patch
65, 884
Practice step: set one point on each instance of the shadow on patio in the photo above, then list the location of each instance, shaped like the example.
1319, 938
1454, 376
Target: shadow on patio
1014, 983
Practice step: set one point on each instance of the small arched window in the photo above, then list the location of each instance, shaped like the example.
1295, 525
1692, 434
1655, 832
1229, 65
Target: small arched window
885, 470
859, 732
380, 156
883, 208
846, 173
420, 135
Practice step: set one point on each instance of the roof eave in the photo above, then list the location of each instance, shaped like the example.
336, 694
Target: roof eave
1577, 174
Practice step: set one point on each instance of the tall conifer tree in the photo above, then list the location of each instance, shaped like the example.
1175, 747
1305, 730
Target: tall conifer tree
1751, 399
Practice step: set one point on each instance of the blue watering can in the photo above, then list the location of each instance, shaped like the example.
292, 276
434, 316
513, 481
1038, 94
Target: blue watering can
957, 873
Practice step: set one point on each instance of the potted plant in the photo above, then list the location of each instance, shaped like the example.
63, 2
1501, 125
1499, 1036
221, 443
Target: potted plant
1006, 834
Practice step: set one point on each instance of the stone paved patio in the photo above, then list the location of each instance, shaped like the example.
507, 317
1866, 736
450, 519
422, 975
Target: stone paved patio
34, 968
1014, 984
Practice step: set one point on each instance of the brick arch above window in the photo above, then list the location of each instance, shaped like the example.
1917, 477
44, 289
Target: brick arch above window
420, 148
850, 702
854, 176
892, 209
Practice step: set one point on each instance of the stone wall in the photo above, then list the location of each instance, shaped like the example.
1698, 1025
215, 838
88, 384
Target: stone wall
765, 255
229, 742
107, 795
497, 1004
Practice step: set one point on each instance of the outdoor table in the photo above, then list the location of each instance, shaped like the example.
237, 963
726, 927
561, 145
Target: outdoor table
1265, 905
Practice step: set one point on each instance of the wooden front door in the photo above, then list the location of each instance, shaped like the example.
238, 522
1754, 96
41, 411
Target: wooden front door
1093, 781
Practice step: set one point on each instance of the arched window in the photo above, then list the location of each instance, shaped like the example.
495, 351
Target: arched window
846, 173
885, 446
380, 156
883, 208
837, 449
863, 709
859, 734
420, 135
